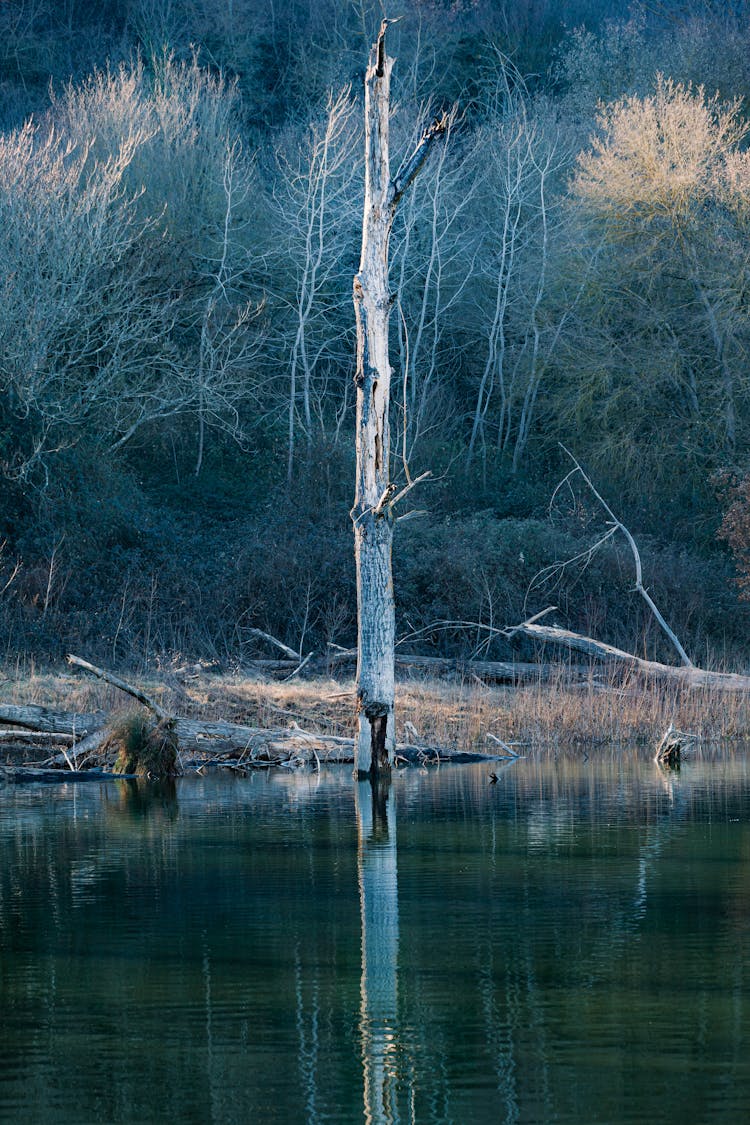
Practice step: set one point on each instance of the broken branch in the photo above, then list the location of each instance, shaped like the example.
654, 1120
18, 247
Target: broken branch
279, 644
620, 526
407, 488
115, 681
409, 170
690, 677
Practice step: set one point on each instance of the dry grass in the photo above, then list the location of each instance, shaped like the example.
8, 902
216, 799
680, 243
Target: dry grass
623, 711
610, 709
141, 746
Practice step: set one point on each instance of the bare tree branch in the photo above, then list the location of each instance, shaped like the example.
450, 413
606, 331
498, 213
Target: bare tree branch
413, 164
619, 526
115, 681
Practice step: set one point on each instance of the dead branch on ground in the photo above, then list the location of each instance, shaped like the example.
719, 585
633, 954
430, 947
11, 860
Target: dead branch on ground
616, 525
691, 677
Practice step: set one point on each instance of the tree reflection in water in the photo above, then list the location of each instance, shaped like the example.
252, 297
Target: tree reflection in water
377, 869
570, 945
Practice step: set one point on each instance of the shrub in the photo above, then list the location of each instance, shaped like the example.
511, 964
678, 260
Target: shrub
142, 747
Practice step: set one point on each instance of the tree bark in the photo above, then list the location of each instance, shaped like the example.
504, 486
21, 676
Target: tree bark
372, 513
46, 720
373, 530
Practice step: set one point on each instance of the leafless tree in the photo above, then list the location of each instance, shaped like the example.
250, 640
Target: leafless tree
435, 250
521, 212
375, 496
313, 201
104, 328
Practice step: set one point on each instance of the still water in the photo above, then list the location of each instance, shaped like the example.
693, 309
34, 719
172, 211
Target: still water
571, 944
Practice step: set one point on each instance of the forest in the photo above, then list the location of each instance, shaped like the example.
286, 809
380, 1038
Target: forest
181, 187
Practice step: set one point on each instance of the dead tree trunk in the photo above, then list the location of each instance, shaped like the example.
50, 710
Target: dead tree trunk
373, 511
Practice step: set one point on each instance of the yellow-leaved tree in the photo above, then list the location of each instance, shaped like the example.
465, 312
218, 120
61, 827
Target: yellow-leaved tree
664, 203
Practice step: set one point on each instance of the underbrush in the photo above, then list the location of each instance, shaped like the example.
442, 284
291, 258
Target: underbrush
150, 573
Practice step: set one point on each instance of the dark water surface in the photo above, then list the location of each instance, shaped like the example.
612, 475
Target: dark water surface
569, 945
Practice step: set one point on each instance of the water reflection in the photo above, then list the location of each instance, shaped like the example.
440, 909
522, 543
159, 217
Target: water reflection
571, 944
377, 870
140, 799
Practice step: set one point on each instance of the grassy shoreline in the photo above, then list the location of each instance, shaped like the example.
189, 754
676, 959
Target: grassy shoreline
609, 709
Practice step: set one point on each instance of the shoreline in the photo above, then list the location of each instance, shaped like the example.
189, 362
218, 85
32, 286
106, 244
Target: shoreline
459, 714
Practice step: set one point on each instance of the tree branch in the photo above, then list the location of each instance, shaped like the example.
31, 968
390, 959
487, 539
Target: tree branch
690, 677
279, 644
115, 681
687, 662
411, 167
400, 495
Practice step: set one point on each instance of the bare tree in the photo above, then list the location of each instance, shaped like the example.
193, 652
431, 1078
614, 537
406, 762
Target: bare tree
226, 345
435, 249
521, 209
79, 330
375, 496
312, 200
125, 296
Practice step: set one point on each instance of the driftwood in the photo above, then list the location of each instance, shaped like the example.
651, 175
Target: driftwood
197, 736
688, 676
669, 750
216, 741
31, 737
46, 720
258, 744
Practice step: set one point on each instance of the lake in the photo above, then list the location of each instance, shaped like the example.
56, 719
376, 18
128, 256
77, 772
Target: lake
570, 944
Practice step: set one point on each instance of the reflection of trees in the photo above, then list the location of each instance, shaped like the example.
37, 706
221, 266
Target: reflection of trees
564, 929
518, 961
138, 799
378, 894
174, 941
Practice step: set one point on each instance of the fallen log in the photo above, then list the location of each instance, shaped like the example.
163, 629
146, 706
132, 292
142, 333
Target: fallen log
430, 755
214, 736
493, 671
688, 676
30, 737
19, 775
272, 745
45, 720
498, 671
215, 739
